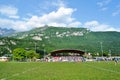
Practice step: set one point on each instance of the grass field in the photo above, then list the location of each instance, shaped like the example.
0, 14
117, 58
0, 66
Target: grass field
59, 71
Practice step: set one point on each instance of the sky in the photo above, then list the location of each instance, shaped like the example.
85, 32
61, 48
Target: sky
96, 15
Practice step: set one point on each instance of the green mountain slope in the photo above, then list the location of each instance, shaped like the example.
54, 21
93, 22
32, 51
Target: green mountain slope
52, 38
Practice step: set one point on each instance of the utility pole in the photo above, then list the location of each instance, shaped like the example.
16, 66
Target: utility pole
44, 51
101, 48
35, 47
110, 53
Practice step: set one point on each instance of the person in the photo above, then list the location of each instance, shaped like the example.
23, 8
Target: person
116, 60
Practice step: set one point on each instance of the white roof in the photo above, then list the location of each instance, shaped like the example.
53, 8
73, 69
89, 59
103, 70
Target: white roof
3, 57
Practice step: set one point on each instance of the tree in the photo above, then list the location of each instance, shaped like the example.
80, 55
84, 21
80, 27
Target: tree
106, 54
19, 54
31, 54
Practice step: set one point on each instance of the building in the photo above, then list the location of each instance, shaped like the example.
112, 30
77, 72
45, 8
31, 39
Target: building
4, 59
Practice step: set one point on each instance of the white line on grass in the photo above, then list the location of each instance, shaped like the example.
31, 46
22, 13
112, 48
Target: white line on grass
103, 69
17, 74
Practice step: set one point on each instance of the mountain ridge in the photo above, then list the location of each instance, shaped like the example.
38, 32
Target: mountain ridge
52, 38
5, 32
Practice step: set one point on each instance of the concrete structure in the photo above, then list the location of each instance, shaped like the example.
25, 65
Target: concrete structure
3, 59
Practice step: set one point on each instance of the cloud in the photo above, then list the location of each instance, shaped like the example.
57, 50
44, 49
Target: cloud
117, 12
14, 17
75, 24
33, 22
9, 11
96, 26
16, 25
61, 17
104, 9
50, 5
5, 23
103, 4
58, 3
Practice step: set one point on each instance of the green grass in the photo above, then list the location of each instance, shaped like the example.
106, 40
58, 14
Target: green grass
59, 71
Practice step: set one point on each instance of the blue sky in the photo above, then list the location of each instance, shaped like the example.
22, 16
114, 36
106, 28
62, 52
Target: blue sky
96, 15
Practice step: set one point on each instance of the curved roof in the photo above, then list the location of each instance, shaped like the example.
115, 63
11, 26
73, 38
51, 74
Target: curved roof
54, 53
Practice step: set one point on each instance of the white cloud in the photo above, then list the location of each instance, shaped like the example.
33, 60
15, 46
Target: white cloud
103, 4
5, 23
49, 5
58, 3
14, 17
63, 15
17, 25
96, 26
75, 24
62, 18
91, 23
117, 12
27, 25
9, 11
104, 9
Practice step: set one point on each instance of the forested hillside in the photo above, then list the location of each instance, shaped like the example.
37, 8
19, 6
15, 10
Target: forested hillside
52, 38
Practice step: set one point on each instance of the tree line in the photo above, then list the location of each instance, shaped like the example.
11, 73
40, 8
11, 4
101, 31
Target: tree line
20, 54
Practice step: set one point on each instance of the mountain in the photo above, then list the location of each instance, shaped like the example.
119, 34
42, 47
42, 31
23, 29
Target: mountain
6, 32
52, 38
